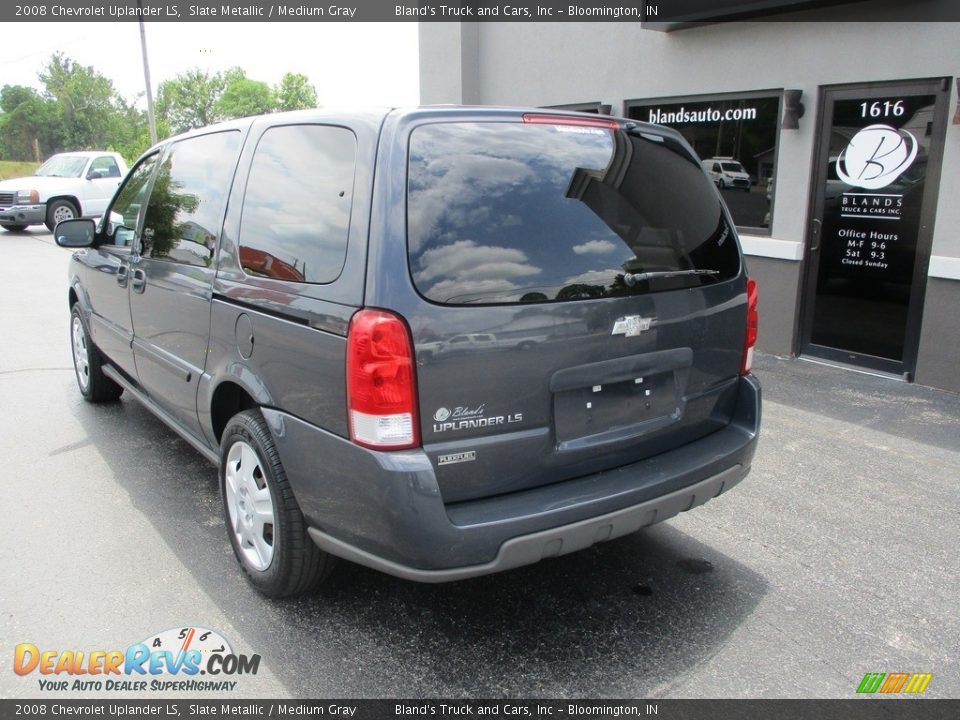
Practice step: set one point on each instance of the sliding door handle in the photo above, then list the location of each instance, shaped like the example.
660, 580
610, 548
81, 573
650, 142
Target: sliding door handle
139, 281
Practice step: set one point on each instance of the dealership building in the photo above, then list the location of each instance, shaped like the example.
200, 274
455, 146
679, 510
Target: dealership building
833, 134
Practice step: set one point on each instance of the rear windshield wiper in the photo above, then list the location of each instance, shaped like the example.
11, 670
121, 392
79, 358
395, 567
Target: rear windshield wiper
632, 279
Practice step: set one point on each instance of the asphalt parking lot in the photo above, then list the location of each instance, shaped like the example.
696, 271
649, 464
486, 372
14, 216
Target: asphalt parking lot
836, 557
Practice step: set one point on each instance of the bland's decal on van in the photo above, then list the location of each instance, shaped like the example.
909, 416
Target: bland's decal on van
467, 418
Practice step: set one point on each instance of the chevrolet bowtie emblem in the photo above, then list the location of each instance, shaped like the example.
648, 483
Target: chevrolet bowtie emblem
631, 325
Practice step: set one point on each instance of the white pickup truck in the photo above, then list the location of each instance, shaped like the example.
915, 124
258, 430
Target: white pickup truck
68, 185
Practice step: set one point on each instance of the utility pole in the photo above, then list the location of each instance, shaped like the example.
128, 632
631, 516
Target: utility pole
146, 78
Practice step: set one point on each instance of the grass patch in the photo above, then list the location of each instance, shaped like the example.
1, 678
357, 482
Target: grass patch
14, 169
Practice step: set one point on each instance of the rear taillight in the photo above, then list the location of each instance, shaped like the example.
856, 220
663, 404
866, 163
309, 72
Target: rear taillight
381, 384
753, 319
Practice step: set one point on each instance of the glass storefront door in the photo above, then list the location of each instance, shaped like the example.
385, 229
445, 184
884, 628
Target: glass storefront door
877, 168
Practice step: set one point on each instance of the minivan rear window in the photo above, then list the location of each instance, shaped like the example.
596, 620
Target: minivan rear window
504, 212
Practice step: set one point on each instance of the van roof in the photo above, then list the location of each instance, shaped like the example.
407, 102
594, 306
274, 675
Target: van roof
377, 114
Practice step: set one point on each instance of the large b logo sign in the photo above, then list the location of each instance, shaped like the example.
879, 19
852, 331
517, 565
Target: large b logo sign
876, 156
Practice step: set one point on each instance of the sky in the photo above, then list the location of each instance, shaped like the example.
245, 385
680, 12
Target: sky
350, 64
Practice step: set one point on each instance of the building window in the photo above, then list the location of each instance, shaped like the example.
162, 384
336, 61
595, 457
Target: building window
736, 137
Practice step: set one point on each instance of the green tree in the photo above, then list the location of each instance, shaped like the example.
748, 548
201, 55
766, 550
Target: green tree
132, 136
25, 117
234, 73
190, 99
295, 93
243, 97
196, 98
86, 102
11, 96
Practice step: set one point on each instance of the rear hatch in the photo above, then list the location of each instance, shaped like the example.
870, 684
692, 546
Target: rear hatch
583, 304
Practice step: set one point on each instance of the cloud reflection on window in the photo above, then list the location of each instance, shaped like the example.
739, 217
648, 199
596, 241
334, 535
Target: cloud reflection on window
510, 212
296, 213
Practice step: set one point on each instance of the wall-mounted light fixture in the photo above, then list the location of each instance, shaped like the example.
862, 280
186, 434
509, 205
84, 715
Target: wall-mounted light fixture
792, 109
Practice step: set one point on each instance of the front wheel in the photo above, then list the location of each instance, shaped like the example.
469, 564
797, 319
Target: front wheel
722, 185
88, 364
58, 211
266, 527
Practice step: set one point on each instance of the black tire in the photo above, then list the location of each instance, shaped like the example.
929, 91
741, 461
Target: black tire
88, 363
722, 185
14, 228
296, 566
60, 210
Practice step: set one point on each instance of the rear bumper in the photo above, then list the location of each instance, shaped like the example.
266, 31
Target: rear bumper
531, 548
385, 510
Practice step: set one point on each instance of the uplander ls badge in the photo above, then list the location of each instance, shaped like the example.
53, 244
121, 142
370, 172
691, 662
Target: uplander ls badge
468, 418
631, 325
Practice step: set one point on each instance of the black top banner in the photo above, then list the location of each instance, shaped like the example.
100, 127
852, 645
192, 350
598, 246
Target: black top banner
663, 15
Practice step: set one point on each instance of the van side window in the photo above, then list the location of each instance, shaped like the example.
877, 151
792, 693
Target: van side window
296, 212
125, 212
716, 167
185, 209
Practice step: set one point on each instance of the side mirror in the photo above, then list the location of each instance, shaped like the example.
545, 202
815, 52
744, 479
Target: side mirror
94, 175
76, 233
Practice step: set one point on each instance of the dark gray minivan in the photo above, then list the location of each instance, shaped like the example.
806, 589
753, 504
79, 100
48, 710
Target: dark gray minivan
439, 342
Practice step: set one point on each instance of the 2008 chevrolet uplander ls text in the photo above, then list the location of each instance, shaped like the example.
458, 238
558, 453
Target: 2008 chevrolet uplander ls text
285, 293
